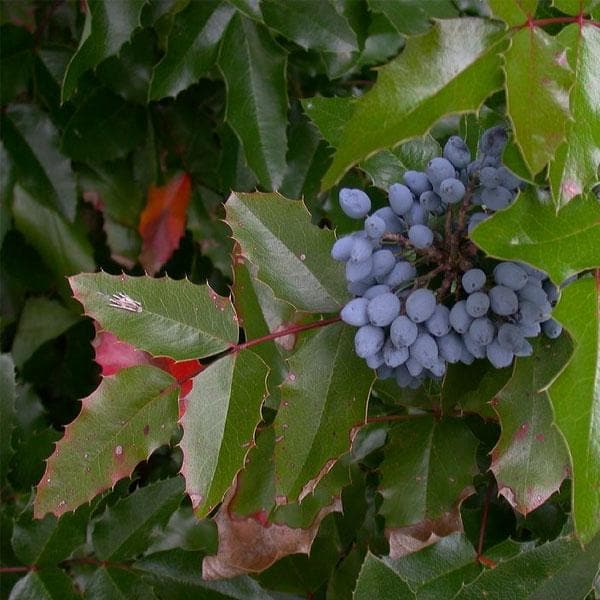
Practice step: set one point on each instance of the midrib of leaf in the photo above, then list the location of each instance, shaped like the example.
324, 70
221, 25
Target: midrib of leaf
300, 266
115, 585
112, 439
427, 461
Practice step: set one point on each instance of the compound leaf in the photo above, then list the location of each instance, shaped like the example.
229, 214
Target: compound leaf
323, 397
171, 318
121, 423
290, 253
416, 89
575, 396
530, 230
221, 414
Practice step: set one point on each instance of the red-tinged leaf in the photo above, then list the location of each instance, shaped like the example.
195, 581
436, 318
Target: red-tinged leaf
113, 355
162, 222
120, 424
249, 545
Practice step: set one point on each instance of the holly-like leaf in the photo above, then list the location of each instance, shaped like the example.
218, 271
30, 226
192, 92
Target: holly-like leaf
108, 26
537, 72
530, 459
437, 571
41, 320
51, 584
7, 412
162, 316
162, 222
560, 569
323, 397
249, 546
575, 396
62, 245
514, 12
126, 528
411, 17
221, 414
427, 465
576, 162
290, 253
530, 230
254, 68
32, 143
119, 584
48, 541
330, 115
416, 89
312, 24
191, 47
120, 424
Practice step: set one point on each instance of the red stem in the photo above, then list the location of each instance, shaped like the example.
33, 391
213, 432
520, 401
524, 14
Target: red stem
17, 569
484, 521
277, 334
531, 23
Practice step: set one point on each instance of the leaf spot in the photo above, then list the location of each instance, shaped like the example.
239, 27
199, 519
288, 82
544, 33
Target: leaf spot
119, 450
303, 257
146, 429
540, 437
292, 376
279, 438
125, 302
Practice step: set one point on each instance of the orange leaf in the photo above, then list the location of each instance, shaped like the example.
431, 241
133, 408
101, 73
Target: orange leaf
162, 222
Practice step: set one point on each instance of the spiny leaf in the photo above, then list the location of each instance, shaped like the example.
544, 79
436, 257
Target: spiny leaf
120, 424
108, 26
191, 47
254, 69
323, 397
221, 414
33, 144
530, 459
175, 318
427, 464
277, 237
50, 584
414, 16
514, 12
125, 529
537, 73
452, 68
375, 574
575, 396
117, 584
575, 166
530, 230
162, 222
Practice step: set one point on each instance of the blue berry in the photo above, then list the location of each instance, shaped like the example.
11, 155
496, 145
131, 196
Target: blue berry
477, 304
420, 305
420, 236
503, 301
492, 141
403, 331
497, 198
401, 273
355, 203
368, 340
355, 271
375, 227
551, 328
400, 198
510, 275
473, 280
439, 322
383, 263
482, 331
451, 190
376, 290
424, 350
460, 319
383, 309
355, 312
417, 182
439, 169
394, 356
498, 356
450, 347
457, 152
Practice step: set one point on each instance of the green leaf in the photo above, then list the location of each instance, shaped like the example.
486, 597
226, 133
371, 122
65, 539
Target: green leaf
191, 47
576, 162
16, 45
108, 26
557, 569
323, 397
530, 230
254, 68
104, 127
291, 254
574, 7
330, 115
575, 396
62, 245
48, 541
472, 388
32, 142
126, 528
223, 410
117, 584
436, 74
7, 412
49, 584
413, 16
312, 24
537, 72
530, 459
427, 464
120, 424
177, 318
438, 571
514, 12
375, 574
41, 320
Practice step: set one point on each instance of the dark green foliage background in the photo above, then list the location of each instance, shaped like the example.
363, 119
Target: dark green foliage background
250, 95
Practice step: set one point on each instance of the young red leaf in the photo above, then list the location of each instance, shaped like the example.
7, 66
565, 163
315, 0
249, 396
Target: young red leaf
162, 222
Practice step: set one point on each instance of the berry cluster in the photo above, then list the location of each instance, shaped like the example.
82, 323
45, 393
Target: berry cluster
420, 241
